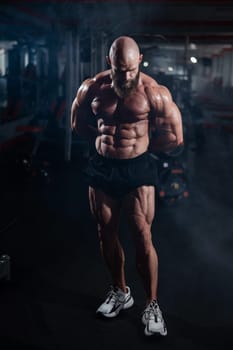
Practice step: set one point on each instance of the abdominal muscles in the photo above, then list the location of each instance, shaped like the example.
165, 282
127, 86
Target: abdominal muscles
124, 140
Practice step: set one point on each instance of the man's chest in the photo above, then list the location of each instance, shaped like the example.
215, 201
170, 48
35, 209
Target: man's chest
109, 107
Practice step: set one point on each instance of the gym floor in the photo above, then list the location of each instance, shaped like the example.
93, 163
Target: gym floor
58, 278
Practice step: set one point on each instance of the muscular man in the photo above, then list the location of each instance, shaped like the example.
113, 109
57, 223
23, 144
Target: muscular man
122, 175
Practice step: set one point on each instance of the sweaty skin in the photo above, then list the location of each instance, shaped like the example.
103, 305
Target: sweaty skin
127, 104
123, 123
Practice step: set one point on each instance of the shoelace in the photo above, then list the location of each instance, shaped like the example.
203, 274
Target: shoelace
152, 310
112, 295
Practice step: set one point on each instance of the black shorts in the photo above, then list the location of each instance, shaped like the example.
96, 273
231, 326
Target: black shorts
118, 177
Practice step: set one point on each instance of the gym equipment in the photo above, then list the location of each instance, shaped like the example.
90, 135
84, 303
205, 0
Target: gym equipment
173, 181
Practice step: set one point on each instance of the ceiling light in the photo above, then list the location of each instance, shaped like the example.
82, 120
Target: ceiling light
193, 46
145, 64
193, 59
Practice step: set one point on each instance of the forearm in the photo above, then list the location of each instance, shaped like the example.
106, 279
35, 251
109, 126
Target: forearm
165, 143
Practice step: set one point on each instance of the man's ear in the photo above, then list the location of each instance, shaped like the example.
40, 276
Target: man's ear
140, 58
108, 60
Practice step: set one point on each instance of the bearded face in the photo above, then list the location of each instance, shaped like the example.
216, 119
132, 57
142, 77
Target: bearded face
123, 87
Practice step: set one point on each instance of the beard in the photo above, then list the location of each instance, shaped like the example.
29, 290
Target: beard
124, 88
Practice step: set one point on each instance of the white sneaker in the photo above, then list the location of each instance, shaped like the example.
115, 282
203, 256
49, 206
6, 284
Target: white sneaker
116, 301
153, 320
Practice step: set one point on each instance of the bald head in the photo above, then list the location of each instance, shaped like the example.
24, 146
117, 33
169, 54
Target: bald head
124, 49
124, 58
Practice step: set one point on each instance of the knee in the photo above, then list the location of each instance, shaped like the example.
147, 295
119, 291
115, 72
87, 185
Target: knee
107, 235
143, 241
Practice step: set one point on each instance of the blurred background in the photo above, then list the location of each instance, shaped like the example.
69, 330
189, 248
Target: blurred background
47, 48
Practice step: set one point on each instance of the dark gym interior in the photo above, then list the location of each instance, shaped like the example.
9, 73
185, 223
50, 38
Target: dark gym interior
52, 276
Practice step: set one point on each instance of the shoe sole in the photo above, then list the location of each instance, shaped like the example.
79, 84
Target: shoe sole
127, 305
162, 332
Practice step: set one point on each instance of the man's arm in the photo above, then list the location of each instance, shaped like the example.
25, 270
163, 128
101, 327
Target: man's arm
81, 112
166, 123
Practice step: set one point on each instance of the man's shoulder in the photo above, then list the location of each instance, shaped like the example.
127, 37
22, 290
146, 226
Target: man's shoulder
98, 79
152, 86
90, 86
102, 77
148, 81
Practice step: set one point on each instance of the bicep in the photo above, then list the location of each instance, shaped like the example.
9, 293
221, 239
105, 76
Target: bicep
178, 127
73, 114
80, 115
174, 121
80, 108
168, 117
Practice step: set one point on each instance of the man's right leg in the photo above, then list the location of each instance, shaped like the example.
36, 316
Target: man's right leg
106, 211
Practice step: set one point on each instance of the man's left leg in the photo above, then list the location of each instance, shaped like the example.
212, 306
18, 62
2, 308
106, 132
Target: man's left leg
140, 210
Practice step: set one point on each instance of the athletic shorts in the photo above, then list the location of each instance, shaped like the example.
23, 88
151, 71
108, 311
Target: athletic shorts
118, 177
